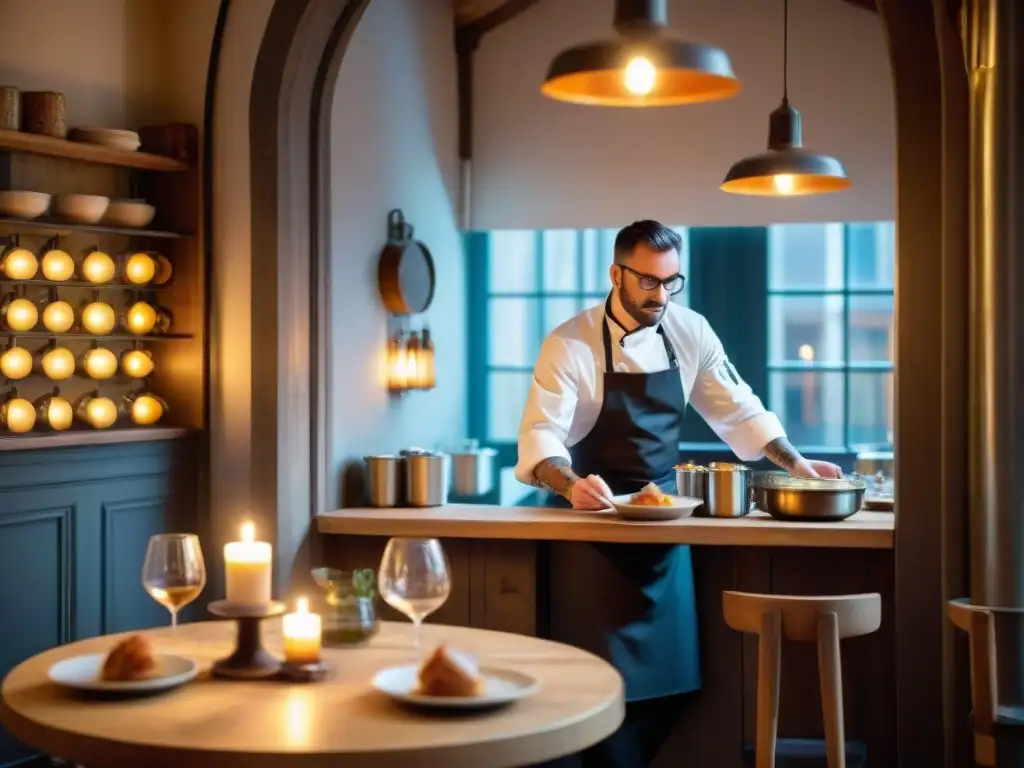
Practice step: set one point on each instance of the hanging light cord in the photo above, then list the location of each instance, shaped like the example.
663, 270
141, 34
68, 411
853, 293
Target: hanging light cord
785, 51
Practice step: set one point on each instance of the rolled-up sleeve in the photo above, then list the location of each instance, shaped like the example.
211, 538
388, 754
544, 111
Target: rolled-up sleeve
729, 405
550, 406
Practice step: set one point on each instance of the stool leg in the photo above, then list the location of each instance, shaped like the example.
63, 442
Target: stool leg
830, 672
769, 667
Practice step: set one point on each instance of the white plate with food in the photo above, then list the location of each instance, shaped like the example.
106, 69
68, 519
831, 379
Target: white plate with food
651, 503
130, 667
452, 680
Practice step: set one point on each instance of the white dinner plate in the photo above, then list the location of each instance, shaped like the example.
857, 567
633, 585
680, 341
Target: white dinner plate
501, 686
83, 674
682, 506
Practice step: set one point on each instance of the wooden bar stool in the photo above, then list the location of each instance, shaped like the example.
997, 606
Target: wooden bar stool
825, 620
979, 622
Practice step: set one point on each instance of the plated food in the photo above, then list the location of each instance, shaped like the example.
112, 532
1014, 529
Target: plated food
131, 667
452, 679
651, 496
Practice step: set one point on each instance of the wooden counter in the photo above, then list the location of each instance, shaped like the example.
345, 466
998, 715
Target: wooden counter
865, 530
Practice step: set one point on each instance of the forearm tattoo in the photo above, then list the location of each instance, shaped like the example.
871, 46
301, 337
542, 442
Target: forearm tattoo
556, 475
782, 453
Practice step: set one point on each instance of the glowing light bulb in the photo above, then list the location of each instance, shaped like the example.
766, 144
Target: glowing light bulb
58, 266
56, 412
640, 76
100, 412
140, 268
783, 183
146, 410
16, 363
20, 264
19, 415
58, 364
98, 268
58, 316
22, 315
805, 353
100, 363
141, 318
136, 363
98, 318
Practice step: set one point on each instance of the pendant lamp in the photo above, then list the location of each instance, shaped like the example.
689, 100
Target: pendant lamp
644, 67
786, 169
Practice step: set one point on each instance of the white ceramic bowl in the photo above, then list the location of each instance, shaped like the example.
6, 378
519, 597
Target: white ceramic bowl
84, 209
131, 214
22, 204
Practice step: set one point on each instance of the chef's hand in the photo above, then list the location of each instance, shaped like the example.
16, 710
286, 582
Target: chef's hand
590, 492
813, 468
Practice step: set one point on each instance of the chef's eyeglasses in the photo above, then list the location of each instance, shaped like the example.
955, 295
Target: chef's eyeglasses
672, 285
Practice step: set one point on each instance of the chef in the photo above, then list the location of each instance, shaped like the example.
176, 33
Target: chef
604, 417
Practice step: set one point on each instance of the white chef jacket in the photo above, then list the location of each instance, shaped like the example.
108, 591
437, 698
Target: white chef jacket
567, 388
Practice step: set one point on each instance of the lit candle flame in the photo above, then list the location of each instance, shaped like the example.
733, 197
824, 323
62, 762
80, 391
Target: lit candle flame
248, 532
302, 605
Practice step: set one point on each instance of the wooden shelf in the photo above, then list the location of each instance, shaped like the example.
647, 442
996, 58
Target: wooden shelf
66, 227
85, 284
44, 334
85, 436
17, 141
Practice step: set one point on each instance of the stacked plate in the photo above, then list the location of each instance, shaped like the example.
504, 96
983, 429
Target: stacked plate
108, 137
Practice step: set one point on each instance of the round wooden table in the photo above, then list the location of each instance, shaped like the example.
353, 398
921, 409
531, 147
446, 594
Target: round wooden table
339, 722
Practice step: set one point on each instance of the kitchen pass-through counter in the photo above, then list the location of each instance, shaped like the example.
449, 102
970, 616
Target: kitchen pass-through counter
865, 530
500, 558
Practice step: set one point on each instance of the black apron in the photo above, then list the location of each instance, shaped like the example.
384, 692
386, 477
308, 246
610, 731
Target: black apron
631, 604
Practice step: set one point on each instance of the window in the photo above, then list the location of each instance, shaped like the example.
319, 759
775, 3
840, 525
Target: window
830, 332
529, 282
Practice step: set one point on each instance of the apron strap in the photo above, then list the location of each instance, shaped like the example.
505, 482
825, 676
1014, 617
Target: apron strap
606, 336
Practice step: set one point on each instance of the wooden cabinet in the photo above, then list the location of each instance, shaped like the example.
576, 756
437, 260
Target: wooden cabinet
74, 523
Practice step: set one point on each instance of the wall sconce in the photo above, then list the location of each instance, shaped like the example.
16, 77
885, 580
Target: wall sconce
54, 411
137, 363
140, 318
19, 314
58, 363
144, 408
16, 362
406, 279
97, 267
57, 265
98, 317
17, 413
99, 363
58, 316
140, 268
18, 263
98, 412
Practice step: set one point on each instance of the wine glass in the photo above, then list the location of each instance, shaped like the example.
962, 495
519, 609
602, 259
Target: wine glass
414, 578
174, 572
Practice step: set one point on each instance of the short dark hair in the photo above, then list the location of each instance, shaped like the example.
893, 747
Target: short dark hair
653, 234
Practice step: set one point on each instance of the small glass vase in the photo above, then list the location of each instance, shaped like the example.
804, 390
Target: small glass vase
350, 617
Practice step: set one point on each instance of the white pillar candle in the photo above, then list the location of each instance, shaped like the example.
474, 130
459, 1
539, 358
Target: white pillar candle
302, 635
247, 565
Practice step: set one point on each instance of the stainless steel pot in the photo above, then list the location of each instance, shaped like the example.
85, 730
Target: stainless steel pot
691, 480
384, 480
809, 499
728, 490
473, 470
426, 478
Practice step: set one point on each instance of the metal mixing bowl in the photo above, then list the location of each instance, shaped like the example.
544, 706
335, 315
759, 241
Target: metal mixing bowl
808, 499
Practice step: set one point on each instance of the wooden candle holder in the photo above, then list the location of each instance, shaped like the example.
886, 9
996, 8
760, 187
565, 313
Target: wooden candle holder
305, 673
250, 660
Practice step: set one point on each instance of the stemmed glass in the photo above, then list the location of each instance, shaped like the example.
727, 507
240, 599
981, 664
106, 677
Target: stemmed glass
414, 578
174, 572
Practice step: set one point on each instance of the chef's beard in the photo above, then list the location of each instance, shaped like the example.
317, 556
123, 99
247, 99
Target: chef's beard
635, 309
